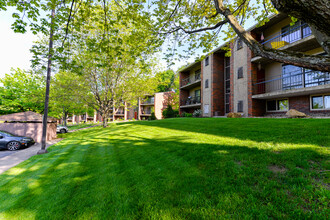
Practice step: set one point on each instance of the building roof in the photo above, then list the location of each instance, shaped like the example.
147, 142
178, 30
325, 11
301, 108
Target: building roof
25, 117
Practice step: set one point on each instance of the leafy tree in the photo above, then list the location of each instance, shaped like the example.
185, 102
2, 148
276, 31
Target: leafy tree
110, 51
200, 22
166, 81
66, 95
21, 91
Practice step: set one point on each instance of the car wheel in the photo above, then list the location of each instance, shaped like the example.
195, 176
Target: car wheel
13, 145
62, 131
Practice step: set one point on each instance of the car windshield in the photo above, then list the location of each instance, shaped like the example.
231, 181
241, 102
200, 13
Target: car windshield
5, 133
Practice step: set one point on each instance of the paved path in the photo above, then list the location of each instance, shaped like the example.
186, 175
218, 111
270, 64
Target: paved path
9, 159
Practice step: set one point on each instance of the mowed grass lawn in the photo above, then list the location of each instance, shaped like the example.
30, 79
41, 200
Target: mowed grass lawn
212, 168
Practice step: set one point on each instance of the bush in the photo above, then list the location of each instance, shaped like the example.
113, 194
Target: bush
185, 114
169, 112
152, 117
197, 113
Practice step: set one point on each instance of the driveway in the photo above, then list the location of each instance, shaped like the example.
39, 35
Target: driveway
9, 159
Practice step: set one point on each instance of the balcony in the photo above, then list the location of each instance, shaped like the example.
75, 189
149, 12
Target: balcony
292, 35
149, 101
191, 101
188, 83
120, 113
295, 38
302, 82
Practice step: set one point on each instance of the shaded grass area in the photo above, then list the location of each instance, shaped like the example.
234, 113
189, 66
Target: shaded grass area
177, 169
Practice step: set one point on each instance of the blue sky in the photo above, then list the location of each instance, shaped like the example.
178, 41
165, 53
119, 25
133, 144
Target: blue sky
14, 47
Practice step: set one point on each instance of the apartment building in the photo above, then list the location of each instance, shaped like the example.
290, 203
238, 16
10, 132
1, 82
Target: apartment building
155, 103
255, 86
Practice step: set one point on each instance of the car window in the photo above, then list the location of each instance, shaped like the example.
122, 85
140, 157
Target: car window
4, 133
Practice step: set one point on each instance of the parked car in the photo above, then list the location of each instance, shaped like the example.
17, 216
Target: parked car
13, 142
61, 129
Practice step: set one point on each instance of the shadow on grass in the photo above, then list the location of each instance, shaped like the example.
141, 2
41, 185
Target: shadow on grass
115, 173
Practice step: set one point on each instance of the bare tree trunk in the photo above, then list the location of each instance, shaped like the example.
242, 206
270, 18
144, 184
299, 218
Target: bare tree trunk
49, 69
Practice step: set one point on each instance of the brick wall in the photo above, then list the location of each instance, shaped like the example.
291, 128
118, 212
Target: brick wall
302, 104
217, 94
255, 107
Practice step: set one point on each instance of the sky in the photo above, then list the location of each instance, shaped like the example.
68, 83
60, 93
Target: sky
14, 47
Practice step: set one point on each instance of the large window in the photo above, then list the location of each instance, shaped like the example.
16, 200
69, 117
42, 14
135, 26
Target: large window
321, 102
198, 95
292, 77
278, 105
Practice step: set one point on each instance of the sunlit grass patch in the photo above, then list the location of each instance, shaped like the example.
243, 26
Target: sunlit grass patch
177, 169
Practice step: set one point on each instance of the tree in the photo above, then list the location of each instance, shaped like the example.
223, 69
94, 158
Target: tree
201, 21
67, 96
166, 81
110, 51
31, 10
21, 91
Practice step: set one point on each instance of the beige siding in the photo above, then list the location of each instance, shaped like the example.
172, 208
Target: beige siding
206, 94
240, 85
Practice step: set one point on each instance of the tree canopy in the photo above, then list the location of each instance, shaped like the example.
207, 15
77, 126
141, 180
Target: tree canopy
200, 23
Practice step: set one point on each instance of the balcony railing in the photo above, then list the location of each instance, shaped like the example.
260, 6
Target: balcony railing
279, 39
293, 80
191, 100
147, 112
120, 113
187, 81
149, 101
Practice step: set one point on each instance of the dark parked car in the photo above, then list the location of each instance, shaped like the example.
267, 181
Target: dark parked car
13, 142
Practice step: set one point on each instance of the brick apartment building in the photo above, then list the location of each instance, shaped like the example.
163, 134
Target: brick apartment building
155, 103
255, 86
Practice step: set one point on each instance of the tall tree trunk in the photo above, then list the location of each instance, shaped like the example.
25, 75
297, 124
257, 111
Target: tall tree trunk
49, 69
104, 121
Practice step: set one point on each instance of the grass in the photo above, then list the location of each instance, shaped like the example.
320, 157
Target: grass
177, 169
78, 126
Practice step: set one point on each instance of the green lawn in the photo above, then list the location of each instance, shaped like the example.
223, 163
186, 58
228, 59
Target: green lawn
177, 169
78, 126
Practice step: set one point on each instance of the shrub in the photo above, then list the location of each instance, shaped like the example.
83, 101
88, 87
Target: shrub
169, 112
197, 113
185, 114
152, 117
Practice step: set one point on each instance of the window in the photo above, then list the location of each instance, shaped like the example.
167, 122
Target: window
198, 96
294, 77
240, 106
240, 73
291, 77
278, 105
321, 102
206, 109
197, 75
239, 43
206, 83
206, 61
